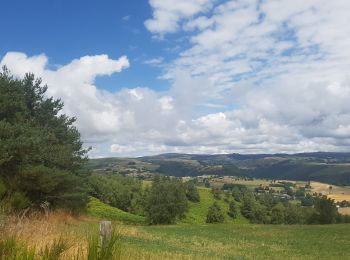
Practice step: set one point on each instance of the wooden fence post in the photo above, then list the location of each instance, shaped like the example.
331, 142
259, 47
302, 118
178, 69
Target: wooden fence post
105, 231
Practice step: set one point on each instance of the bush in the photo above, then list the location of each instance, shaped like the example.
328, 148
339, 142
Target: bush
117, 191
254, 211
215, 214
216, 193
327, 212
278, 214
3, 189
166, 201
192, 192
232, 210
18, 201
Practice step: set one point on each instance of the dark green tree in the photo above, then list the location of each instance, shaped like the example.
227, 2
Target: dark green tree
215, 214
216, 193
326, 210
117, 191
232, 209
253, 210
166, 201
278, 214
41, 154
192, 192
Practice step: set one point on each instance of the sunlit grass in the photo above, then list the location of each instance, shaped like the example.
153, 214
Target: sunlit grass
100, 210
197, 212
184, 241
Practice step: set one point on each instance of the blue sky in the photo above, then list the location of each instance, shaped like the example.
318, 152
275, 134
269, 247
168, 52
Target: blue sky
64, 30
193, 76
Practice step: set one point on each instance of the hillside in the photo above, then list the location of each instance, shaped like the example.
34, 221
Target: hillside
239, 241
196, 213
333, 168
192, 238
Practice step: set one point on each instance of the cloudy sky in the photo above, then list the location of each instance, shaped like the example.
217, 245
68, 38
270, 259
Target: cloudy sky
196, 76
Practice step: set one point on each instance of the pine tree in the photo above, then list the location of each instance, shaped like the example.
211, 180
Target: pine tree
41, 154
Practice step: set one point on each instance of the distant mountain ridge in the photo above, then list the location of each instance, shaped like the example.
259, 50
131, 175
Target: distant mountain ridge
329, 167
238, 156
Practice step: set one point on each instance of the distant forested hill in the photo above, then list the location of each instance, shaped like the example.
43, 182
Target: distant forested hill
321, 166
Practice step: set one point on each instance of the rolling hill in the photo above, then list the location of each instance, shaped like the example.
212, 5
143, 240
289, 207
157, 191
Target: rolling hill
326, 167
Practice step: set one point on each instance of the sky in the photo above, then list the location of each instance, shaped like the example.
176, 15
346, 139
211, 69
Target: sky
146, 77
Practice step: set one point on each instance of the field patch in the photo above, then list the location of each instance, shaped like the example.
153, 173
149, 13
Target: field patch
338, 193
197, 212
344, 211
243, 241
98, 209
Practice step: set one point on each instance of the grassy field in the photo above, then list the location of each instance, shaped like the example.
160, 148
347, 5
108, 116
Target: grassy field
191, 238
184, 241
249, 183
240, 241
197, 212
338, 193
100, 210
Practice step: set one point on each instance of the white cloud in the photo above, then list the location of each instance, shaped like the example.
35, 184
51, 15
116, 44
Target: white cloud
167, 14
155, 61
279, 67
258, 76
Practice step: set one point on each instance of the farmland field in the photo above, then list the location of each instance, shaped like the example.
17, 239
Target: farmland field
338, 193
344, 211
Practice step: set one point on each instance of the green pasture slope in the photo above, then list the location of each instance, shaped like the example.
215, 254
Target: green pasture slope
241, 241
197, 212
191, 238
98, 209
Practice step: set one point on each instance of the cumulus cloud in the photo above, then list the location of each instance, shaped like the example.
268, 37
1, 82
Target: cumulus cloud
258, 76
130, 121
279, 68
168, 14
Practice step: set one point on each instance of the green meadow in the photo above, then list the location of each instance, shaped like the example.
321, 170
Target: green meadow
239, 241
191, 238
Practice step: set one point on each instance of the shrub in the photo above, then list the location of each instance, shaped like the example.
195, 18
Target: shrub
215, 214
117, 191
216, 193
3, 189
192, 192
278, 214
18, 201
232, 210
166, 201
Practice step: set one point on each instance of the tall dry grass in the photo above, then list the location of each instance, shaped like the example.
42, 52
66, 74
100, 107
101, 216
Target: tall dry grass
56, 235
